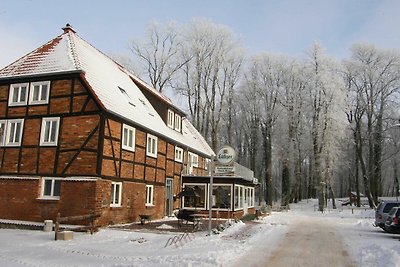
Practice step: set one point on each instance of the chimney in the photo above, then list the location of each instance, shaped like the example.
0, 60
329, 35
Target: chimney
68, 28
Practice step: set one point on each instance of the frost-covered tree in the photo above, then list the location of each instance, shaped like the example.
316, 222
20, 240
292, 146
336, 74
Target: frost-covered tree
374, 78
213, 57
323, 96
158, 52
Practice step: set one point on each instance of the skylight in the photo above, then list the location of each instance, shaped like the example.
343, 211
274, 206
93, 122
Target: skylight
126, 96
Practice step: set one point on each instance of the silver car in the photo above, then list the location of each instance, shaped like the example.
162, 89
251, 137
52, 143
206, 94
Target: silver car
382, 211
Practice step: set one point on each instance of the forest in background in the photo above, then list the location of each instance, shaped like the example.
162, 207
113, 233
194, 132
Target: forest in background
309, 127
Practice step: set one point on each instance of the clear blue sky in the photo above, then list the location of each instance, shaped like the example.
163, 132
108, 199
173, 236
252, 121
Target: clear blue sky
277, 26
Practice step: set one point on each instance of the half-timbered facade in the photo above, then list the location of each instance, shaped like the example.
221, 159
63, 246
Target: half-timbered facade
81, 135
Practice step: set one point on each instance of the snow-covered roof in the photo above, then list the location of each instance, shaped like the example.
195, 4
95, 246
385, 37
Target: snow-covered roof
111, 83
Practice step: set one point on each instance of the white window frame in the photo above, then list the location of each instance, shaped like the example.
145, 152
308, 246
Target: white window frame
52, 193
239, 197
208, 165
116, 199
151, 145
128, 144
178, 123
193, 160
170, 119
251, 197
32, 93
215, 186
43, 131
19, 102
178, 154
149, 195
206, 194
3, 127
10, 141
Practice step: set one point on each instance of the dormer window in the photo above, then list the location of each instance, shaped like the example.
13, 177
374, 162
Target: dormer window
39, 93
170, 119
178, 123
18, 94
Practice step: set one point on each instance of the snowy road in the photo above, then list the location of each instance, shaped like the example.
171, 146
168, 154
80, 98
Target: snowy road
311, 243
305, 241
300, 237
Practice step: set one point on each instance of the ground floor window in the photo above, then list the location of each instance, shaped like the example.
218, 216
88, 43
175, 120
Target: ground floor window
243, 195
149, 195
251, 196
116, 192
198, 200
222, 196
238, 197
51, 188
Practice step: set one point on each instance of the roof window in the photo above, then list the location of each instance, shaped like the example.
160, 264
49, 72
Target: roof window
126, 96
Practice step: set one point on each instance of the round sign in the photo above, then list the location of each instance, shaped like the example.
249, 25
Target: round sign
226, 155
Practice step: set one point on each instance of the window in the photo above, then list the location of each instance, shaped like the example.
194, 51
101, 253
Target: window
222, 196
251, 197
18, 94
39, 93
170, 119
193, 159
51, 188
128, 138
13, 132
49, 131
151, 149
178, 121
149, 195
197, 201
208, 165
238, 197
178, 154
3, 124
116, 191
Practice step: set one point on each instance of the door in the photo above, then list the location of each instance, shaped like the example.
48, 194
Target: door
169, 196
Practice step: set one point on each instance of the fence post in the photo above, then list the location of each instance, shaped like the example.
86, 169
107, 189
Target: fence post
57, 226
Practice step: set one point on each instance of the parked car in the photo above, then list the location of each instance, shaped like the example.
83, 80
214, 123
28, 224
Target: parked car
382, 211
392, 221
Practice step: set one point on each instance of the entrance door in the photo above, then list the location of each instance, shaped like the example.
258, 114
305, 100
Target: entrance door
169, 196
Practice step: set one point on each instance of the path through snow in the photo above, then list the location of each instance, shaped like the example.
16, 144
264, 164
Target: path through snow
311, 243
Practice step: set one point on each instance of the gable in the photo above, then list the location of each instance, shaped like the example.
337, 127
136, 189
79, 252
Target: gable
111, 84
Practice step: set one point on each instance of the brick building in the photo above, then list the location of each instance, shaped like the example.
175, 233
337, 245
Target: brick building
81, 135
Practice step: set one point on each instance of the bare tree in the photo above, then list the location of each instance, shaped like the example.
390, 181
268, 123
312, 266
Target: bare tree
213, 61
322, 88
374, 77
158, 53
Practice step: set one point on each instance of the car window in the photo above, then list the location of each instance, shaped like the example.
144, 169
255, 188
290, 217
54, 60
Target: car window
392, 211
389, 206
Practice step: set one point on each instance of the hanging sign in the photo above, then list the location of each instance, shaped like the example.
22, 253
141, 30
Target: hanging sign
226, 155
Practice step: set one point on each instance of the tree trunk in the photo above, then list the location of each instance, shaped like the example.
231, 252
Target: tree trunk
268, 162
363, 167
285, 184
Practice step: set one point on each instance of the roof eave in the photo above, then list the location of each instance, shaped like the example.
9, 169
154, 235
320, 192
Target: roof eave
35, 76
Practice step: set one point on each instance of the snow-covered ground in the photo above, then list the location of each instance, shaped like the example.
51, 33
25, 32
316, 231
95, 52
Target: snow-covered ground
251, 243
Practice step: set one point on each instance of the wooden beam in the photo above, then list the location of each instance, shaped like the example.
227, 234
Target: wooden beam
81, 148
